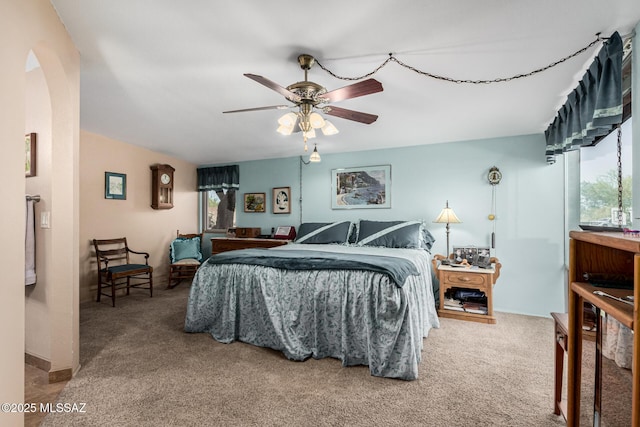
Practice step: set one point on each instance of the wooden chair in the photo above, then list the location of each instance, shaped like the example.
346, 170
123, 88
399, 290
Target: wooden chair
115, 271
184, 266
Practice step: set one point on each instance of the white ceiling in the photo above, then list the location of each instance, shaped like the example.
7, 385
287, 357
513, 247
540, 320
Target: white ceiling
159, 73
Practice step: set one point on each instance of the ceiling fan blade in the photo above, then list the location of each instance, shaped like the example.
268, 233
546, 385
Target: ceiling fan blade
275, 86
355, 90
272, 107
356, 116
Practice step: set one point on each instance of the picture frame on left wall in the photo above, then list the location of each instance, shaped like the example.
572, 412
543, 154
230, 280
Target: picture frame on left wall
30, 155
254, 202
115, 186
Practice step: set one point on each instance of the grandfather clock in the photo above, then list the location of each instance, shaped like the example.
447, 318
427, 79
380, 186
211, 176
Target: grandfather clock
162, 186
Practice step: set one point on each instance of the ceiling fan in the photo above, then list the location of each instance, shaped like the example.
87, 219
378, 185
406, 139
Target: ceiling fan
309, 97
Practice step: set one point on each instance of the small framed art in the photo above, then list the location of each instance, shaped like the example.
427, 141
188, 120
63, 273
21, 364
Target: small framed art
281, 200
483, 259
254, 202
30, 154
115, 186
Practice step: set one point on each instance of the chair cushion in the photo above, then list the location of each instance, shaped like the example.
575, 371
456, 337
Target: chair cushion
185, 248
125, 267
187, 261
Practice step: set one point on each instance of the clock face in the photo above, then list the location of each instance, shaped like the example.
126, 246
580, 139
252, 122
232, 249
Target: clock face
165, 178
494, 176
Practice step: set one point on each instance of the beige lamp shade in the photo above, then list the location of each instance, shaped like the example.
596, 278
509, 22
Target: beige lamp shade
447, 216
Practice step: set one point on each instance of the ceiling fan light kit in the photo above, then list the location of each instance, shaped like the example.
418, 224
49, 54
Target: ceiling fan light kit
315, 156
329, 129
307, 97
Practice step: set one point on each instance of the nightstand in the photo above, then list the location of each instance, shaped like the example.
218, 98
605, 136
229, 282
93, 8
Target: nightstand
467, 278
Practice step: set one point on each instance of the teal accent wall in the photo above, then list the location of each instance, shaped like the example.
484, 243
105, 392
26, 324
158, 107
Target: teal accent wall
530, 220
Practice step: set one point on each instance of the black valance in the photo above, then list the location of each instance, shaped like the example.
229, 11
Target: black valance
594, 108
219, 178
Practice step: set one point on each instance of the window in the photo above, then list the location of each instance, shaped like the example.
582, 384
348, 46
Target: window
599, 202
219, 210
599, 181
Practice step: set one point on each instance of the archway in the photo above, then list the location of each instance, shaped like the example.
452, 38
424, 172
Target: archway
61, 302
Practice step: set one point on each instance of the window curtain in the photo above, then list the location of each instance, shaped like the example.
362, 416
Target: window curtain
594, 108
219, 178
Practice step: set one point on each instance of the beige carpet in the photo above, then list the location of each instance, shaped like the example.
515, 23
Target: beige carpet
140, 369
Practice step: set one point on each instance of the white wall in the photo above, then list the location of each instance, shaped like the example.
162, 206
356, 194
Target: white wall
34, 25
530, 233
38, 296
146, 229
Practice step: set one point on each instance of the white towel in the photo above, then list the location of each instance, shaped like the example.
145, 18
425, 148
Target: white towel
29, 247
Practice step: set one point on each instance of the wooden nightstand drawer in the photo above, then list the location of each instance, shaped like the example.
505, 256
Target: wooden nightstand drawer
464, 278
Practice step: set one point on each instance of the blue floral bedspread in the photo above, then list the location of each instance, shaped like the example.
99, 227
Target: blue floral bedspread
359, 317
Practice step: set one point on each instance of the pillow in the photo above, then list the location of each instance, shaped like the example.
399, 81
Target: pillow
426, 239
324, 232
390, 234
185, 248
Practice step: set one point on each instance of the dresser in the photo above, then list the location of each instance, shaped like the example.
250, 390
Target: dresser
224, 244
602, 253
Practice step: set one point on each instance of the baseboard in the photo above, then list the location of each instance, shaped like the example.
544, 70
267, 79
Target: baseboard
61, 375
45, 365
37, 362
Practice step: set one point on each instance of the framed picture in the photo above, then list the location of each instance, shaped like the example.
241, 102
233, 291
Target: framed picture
254, 202
362, 187
30, 154
115, 186
281, 200
464, 254
484, 257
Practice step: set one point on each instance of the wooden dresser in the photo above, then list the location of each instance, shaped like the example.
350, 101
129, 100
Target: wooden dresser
604, 253
224, 244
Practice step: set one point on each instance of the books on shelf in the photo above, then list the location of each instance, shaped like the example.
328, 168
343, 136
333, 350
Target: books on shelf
469, 307
453, 304
473, 307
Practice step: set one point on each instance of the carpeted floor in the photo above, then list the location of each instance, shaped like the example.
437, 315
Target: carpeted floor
140, 369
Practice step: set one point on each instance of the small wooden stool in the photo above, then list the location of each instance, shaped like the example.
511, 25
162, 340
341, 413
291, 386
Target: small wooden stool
561, 321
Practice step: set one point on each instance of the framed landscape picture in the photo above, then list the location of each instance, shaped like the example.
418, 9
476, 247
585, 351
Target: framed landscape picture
254, 202
366, 187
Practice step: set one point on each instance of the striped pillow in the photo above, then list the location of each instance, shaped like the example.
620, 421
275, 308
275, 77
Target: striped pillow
390, 234
324, 232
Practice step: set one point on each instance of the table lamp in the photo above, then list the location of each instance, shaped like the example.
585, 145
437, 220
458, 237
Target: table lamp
447, 216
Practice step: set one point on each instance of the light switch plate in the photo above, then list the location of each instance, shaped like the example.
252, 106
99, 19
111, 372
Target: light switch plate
45, 219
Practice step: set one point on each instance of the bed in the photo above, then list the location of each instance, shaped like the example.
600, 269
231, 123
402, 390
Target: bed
362, 303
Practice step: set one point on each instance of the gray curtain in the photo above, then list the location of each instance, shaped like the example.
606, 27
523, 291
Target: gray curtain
594, 108
219, 178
